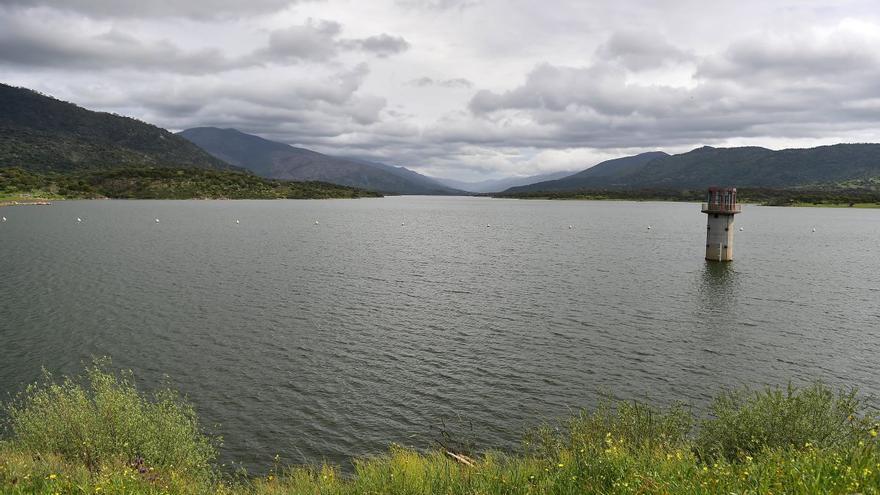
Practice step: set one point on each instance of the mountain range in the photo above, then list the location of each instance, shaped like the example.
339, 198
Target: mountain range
48, 136
751, 166
281, 161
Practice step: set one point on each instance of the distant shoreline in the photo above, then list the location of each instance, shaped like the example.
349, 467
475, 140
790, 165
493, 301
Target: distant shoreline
750, 203
28, 202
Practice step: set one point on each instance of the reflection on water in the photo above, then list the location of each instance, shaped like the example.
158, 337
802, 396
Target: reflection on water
719, 287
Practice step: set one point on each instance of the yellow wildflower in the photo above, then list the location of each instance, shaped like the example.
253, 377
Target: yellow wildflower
52, 476
874, 433
560, 465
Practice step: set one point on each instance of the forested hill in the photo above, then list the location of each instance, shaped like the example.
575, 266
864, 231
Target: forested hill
827, 166
38, 132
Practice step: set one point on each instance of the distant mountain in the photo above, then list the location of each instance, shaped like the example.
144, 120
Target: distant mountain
604, 174
760, 167
743, 167
38, 132
496, 185
281, 161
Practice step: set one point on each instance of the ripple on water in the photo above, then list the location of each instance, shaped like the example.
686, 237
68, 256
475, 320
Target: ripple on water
334, 342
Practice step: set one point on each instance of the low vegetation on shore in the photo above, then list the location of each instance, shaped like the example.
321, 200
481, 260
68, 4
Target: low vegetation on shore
97, 433
162, 183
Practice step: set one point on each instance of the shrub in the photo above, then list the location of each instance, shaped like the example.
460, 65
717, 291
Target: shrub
743, 422
100, 418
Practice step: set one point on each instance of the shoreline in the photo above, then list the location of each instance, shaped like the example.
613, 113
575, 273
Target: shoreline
32, 202
659, 200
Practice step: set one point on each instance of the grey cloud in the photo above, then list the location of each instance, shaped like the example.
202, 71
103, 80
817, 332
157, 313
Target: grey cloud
173, 102
744, 92
320, 40
27, 41
36, 46
421, 82
315, 40
788, 56
458, 82
639, 50
438, 4
198, 9
382, 45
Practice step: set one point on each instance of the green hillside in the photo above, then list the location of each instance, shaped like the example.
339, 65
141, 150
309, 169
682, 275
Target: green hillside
837, 166
38, 132
162, 183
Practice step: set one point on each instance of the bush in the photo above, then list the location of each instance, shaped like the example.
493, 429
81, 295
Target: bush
100, 418
743, 423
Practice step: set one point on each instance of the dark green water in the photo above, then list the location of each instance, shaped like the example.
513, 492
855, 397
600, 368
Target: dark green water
334, 340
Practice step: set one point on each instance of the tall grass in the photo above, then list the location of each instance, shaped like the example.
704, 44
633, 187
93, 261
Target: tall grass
99, 434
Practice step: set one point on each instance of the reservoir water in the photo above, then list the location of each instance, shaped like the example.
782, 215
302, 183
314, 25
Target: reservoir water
392, 317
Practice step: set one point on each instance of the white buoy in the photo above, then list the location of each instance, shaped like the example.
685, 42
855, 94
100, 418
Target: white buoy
316, 222
487, 225
649, 227
402, 224
78, 219
814, 229
3, 219
237, 221
740, 229
570, 227
157, 220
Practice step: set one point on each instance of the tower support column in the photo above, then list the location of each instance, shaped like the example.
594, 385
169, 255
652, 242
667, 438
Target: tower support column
720, 206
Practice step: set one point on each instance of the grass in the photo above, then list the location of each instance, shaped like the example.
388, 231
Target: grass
98, 434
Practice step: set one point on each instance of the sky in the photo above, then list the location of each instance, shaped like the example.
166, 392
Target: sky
465, 89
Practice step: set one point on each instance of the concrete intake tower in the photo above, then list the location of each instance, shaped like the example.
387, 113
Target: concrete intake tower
721, 206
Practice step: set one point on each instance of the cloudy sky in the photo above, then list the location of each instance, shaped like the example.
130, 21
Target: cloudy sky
466, 89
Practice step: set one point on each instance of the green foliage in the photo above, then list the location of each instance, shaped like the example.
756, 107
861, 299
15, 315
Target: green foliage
101, 418
745, 423
167, 183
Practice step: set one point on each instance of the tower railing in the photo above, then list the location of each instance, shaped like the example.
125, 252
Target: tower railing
722, 208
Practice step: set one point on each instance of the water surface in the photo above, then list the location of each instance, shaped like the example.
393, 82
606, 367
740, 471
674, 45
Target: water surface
393, 315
